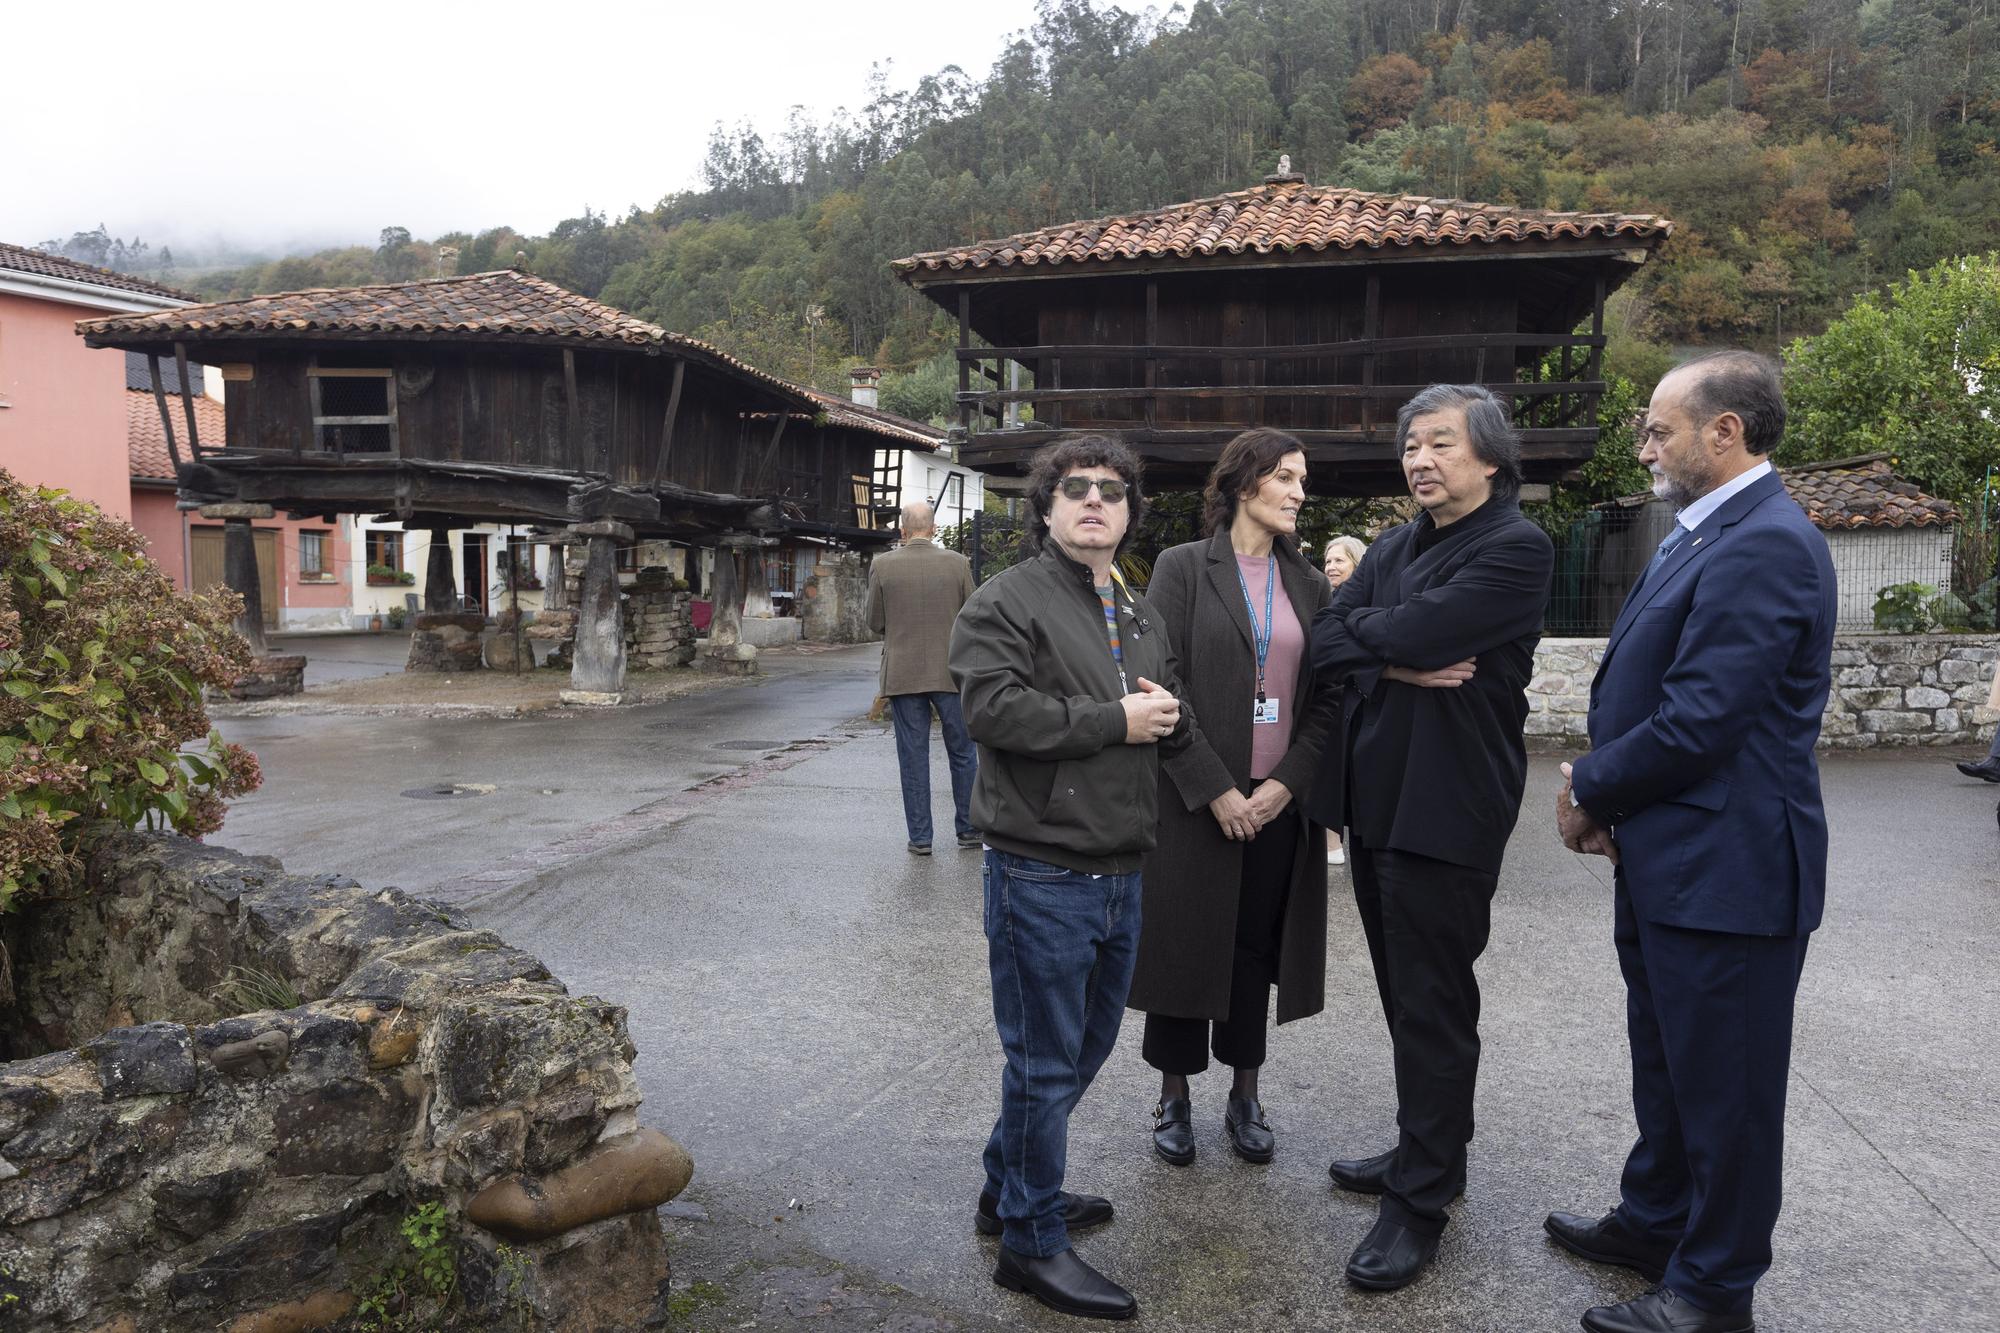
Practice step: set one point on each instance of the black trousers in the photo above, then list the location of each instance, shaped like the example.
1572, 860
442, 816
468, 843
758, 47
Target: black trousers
1427, 923
1177, 1045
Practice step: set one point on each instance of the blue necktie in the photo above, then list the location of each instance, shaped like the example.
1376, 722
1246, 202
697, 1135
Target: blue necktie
1668, 544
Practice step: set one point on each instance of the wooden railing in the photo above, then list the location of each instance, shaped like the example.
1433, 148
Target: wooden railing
1567, 401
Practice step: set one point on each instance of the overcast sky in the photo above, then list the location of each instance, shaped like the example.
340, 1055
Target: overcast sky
314, 124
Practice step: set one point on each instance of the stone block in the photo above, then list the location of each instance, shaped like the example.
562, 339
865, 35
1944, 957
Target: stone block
1848, 657
1948, 722
144, 1061
1899, 674
1925, 696
192, 1208
770, 631
570, 1291
1957, 671
1888, 722
1871, 698
1865, 676
255, 512
346, 1127
1839, 724
603, 527
317, 1311
591, 698
253, 1267
1887, 650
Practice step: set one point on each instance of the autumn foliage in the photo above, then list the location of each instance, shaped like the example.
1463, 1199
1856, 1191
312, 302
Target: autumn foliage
102, 664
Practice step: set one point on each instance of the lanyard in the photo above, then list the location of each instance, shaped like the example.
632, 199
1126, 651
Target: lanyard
1262, 638
1111, 636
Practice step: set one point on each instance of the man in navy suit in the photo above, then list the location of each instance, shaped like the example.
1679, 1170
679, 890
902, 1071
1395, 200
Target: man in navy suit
1702, 787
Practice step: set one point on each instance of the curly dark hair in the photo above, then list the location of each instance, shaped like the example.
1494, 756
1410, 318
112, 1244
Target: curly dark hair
1245, 461
1057, 461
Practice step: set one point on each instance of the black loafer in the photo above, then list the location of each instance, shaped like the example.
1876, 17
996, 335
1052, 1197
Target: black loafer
920, 849
1173, 1131
1392, 1256
1987, 769
1368, 1175
1608, 1240
1066, 1283
1660, 1311
971, 840
1080, 1212
1249, 1134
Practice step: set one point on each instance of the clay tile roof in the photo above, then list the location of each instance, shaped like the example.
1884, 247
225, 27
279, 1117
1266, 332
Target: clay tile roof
146, 443
857, 416
1283, 217
21, 259
1863, 493
506, 305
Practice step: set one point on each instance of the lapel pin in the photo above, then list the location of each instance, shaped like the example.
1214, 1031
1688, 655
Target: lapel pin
1697, 542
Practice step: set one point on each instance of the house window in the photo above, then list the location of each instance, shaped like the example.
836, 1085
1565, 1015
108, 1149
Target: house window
385, 556
354, 410
313, 566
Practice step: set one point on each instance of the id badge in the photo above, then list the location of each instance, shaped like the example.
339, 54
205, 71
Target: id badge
1264, 712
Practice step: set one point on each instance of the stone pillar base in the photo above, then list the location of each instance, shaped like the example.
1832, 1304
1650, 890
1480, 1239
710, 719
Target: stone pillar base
270, 678
446, 641
592, 698
730, 659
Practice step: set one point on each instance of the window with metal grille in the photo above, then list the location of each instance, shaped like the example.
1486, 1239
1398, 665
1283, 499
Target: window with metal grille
354, 410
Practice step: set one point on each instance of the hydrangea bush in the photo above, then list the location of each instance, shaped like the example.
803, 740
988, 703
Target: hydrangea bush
102, 664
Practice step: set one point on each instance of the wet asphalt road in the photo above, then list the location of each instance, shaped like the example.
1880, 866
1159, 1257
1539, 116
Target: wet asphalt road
812, 1013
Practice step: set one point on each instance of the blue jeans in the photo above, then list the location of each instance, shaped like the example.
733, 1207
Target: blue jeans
1061, 945
912, 714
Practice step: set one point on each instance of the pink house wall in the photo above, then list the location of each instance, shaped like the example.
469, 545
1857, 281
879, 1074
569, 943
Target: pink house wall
153, 513
64, 423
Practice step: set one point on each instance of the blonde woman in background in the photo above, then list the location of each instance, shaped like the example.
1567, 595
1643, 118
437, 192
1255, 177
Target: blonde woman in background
1343, 556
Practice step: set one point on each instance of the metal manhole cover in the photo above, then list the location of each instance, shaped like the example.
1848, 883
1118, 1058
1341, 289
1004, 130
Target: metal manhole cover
450, 791
751, 745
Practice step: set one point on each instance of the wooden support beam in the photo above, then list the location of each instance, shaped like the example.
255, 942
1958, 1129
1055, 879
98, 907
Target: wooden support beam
764, 468
1597, 342
1152, 353
965, 413
1371, 328
574, 443
160, 401
187, 398
667, 430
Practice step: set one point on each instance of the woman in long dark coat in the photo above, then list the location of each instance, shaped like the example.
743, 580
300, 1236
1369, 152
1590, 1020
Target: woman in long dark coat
1236, 889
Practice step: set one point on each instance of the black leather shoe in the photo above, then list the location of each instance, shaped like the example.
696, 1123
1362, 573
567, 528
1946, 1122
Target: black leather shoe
1607, 1240
1660, 1311
1249, 1134
1988, 769
971, 840
1366, 1175
1392, 1256
920, 849
1173, 1132
1080, 1211
1066, 1283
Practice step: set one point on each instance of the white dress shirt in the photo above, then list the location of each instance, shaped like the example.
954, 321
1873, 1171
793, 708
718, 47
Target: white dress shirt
1693, 516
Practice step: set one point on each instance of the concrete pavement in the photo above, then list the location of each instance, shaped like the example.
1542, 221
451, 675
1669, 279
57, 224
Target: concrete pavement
812, 1014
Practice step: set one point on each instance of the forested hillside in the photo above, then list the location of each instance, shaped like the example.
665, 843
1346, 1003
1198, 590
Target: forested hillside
1808, 149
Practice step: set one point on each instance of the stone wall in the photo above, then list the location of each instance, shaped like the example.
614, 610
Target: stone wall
834, 603
1919, 689
173, 1163
659, 622
270, 677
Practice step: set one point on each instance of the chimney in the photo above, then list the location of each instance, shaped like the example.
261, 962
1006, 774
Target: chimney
861, 384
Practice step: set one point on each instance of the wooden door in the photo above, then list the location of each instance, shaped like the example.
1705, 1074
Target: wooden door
205, 566
472, 580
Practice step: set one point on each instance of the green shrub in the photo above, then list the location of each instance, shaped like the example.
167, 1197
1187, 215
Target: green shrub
1919, 608
101, 668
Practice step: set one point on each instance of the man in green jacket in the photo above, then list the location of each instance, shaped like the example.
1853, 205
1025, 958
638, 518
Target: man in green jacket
1069, 686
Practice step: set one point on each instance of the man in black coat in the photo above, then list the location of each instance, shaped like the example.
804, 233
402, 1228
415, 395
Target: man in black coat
1436, 634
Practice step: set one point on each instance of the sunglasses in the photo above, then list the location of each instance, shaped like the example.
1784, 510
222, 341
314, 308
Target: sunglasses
1076, 488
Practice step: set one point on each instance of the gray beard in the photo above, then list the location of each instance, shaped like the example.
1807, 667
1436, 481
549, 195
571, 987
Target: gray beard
1680, 492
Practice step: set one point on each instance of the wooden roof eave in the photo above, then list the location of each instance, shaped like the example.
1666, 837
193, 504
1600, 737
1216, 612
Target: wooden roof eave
1626, 251
194, 339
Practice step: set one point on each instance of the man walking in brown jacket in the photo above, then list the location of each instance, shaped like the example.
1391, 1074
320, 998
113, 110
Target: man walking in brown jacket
914, 594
